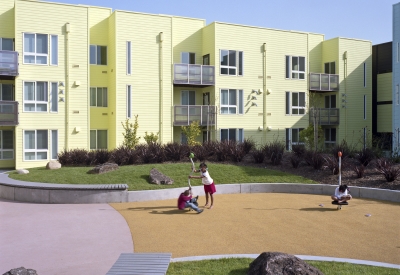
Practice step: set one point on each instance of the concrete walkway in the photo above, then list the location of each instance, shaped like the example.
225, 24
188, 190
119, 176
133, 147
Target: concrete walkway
61, 238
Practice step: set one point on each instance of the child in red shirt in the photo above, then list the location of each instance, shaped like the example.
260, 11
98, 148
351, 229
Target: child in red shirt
185, 200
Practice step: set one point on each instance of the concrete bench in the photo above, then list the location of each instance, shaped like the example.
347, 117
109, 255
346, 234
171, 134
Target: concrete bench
141, 264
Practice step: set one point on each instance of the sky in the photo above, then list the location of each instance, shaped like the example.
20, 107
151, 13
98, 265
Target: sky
362, 19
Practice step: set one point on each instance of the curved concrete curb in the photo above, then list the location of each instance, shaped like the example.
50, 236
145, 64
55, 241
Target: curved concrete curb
303, 257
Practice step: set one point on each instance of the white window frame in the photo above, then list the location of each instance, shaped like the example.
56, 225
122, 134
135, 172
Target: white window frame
52, 141
239, 134
365, 75
128, 101
102, 94
188, 57
35, 150
36, 102
35, 54
239, 63
128, 57
2, 150
96, 48
288, 102
239, 106
289, 70
1, 43
330, 67
51, 50
289, 138
97, 147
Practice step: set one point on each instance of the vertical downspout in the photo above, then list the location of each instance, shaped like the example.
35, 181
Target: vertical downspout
264, 50
172, 80
161, 37
67, 88
345, 92
88, 79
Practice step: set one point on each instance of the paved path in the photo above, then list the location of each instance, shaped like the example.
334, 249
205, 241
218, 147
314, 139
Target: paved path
61, 238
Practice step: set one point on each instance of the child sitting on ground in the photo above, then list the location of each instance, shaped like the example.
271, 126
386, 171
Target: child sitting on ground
341, 194
185, 200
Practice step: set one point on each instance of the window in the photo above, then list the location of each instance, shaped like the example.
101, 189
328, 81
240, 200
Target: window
98, 55
232, 101
54, 144
231, 62
293, 137
295, 67
295, 103
188, 97
35, 96
128, 58
330, 136
98, 139
232, 134
330, 101
397, 94
36, 145
184, 139
188, 58
98, 97
6, 44
6, 92
206, 59
36, 48
365, 75
398, 51
54, 50
365, 107
330, 68
129, 101
54, 97
6, 145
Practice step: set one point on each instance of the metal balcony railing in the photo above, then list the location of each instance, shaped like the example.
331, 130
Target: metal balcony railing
8, 64
184, 115
194, 74
324, 82
8, 113
325, 116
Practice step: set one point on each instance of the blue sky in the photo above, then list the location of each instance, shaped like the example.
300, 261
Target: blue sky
362, 19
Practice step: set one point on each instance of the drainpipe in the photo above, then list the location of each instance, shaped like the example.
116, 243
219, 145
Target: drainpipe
345, 92
264, 91
161, 37
67, 89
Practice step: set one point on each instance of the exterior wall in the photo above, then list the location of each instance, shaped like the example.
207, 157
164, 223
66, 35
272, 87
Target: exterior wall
384, 87
396, 76
351, 73
7, 19
384, 103
50, 18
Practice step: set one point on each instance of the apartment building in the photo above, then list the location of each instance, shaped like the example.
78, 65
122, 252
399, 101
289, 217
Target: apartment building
396, 78
70, 75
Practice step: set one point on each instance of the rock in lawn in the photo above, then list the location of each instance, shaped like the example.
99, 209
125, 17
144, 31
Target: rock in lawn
157, 177
53, 165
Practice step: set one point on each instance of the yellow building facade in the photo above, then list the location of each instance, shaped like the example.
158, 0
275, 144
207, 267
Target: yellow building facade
70, 75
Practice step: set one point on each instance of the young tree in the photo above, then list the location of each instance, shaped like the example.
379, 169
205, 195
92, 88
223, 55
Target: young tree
150, 138
130, 135
192, 132
308, 137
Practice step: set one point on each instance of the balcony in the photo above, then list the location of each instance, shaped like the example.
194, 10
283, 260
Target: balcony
324, 82
194, 75
325, 116
8, 65
184, 115
8, 113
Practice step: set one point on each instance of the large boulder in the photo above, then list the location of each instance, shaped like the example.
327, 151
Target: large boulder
21, 271
157, 177
276, 263
53, 165
22, 171
104, 168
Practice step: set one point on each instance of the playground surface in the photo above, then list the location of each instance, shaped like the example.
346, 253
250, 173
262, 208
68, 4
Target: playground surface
254, 223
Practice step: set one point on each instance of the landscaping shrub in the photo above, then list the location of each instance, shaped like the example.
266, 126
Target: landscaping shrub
333, 164
237, 151
151, 153
248, 144
124, 156
64, 157
385, 167
101, 156
295, 160
307, 156
298, 150
202, 152
223, 150
317, 161
79, 157
258, 155
174, 151
359, 170
342, 147
365, 156
274, 151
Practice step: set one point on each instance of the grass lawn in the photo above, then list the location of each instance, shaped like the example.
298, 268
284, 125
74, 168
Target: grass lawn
239, 266
136, 176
